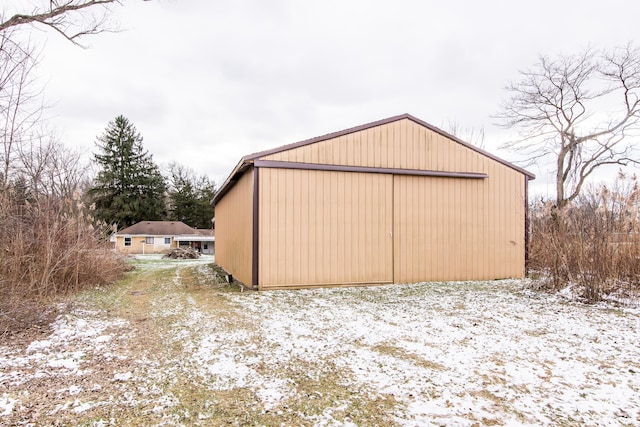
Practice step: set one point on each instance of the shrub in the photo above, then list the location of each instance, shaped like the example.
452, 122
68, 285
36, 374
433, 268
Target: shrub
593, 243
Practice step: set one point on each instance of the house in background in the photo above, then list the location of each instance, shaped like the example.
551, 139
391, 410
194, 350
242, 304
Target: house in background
154, 237
393, 201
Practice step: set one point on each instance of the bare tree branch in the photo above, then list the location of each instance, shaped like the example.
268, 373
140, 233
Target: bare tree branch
70, 18
557, 107
469, 134
20, 105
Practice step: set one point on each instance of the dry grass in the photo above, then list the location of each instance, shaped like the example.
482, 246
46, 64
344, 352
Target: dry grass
156, 303
592, 245
49, 249
398, 352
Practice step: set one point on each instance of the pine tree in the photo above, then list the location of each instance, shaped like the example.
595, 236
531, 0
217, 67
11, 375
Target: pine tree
205, 189
182, 197
190, 197
129, 186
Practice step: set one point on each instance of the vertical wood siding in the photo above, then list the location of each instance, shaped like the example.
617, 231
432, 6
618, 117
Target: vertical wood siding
455, 229
234, 229
401, 144
443, 228
324, 228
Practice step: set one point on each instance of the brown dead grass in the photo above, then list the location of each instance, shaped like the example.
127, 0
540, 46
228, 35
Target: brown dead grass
593, 244
50, 250
401, 353
151, 300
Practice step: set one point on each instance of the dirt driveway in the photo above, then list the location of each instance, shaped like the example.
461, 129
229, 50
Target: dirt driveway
171, 346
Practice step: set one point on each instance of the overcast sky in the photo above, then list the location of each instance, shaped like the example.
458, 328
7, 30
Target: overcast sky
206, 81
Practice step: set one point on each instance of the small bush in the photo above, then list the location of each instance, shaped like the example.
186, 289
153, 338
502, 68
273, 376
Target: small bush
593, 243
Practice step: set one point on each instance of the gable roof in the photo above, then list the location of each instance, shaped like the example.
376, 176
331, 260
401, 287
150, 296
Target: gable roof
158, 228
247, 160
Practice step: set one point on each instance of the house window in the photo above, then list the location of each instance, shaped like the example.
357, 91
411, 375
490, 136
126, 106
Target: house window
127, 241
206, 246
167, 240
149, 241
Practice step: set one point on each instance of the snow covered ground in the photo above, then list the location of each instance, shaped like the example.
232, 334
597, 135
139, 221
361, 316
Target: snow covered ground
430, 354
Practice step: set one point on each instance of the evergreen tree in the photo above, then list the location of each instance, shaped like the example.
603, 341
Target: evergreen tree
205, 189
190, 197
182, 196
129, 186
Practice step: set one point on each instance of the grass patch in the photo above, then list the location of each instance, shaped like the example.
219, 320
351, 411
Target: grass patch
323, 390
402, 354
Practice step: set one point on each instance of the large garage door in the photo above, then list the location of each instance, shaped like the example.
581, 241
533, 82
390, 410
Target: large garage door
438, 232
325, 227
457, 229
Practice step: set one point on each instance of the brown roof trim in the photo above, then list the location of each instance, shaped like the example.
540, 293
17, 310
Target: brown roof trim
380, 123
235, 175
248, 159
365, 169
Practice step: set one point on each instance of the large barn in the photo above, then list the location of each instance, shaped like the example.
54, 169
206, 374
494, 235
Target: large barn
393, 201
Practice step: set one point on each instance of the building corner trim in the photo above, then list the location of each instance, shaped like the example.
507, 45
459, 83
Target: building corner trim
527, 224
255, 238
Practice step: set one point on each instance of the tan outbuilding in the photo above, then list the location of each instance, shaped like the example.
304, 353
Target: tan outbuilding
393, 201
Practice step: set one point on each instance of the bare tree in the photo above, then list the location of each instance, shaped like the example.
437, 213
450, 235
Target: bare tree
72, 19
582, 111
51, 168
468, 134
21, 106
20, 101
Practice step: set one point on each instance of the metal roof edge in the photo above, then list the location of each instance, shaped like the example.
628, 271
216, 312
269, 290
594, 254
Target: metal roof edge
470, 146
247, 160
233, 177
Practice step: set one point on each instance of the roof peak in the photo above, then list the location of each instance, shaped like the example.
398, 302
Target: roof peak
244, 163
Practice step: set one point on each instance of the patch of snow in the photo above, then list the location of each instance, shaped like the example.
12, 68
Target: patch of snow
6, 405
272, 391
122, 377
38, 346
165, 401
103, 339
327, 419
79, 406
458, 351
228, 373
70, 363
